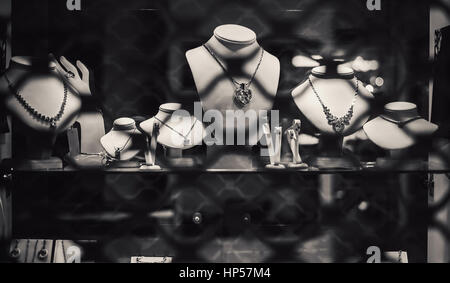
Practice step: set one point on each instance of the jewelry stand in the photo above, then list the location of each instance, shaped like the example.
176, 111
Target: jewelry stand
232, 72
274, 147
293, 138
150, 150
42, 106
84, 142
333, 88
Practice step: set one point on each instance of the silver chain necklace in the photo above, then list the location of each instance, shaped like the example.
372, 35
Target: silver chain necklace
337, 123
242, 93
186, 140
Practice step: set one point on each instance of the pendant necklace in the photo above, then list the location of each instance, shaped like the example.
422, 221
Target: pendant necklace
337, 123
186, 141
33, 112
118, 150
242, 93
401, 124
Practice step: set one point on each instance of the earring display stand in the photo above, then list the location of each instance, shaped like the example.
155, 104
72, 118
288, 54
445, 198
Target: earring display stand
150, 150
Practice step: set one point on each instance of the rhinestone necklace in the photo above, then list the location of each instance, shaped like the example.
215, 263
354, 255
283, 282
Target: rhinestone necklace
242, 93
186, 140
41, 117
337, 123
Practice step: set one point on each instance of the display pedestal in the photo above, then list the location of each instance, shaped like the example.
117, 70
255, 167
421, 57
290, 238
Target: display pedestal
332, 156
84, 141
229, 157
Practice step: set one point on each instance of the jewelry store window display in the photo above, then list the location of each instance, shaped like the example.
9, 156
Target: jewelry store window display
44, 98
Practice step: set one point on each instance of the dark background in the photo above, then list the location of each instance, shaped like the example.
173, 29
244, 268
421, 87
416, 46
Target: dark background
136, 48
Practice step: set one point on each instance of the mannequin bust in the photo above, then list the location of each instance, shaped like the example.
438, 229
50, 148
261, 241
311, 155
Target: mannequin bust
124, 141
399, 127
337, 87
237, 49
42, 88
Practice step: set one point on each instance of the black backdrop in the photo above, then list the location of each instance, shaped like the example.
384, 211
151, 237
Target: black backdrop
136, 48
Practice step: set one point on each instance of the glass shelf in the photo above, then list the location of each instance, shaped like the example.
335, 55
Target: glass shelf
367, 168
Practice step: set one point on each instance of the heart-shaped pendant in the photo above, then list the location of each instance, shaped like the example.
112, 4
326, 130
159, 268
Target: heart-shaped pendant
242, 96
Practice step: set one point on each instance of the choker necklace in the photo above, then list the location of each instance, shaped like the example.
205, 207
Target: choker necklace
242, 94
337, 123
401, 124
186, 141
40, 117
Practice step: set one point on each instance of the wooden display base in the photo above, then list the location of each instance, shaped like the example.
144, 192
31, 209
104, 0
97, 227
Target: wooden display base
52, 163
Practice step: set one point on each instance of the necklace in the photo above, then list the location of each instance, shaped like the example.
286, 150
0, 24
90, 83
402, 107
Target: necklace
118, 150
41, 117
399, 123
186, 140
337, 123
242, 93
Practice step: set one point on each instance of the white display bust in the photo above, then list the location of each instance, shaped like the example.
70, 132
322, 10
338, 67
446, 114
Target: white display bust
124, 141
238, 50
44, 91
336, 87
41, 85
179, 130
399, 127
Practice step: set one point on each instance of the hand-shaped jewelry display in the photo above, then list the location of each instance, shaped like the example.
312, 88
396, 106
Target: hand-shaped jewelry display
293, 138
72, 76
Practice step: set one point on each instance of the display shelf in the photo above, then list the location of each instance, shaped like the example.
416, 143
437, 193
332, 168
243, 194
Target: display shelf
426, 167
